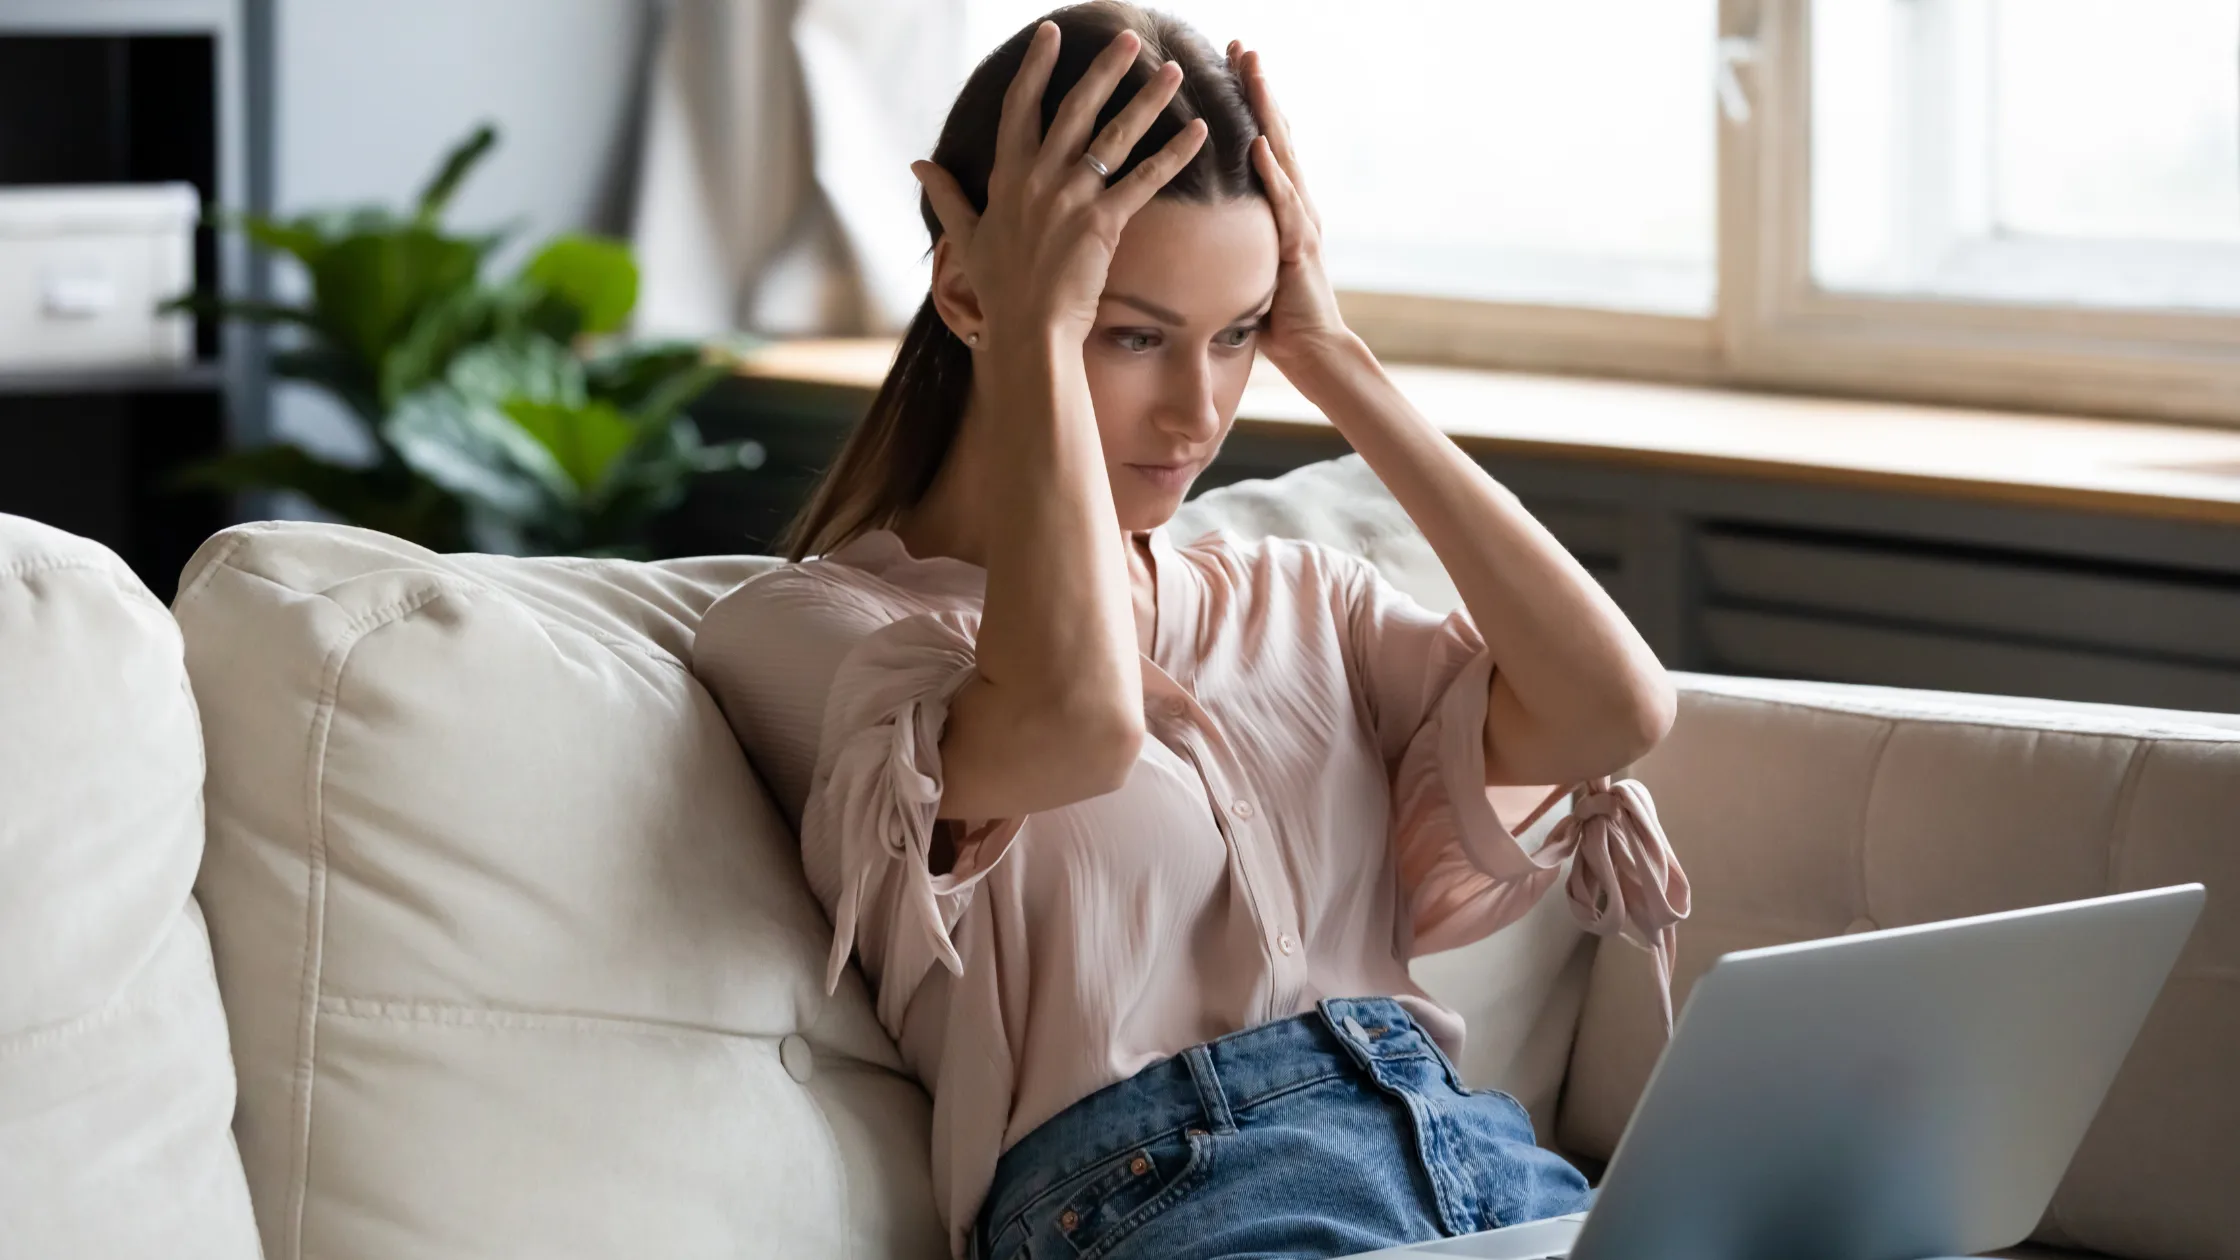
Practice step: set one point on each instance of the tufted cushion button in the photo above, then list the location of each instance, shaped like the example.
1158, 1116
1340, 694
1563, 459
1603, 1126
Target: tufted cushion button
800, 1061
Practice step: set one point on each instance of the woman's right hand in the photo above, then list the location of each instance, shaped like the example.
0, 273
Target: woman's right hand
1037, 257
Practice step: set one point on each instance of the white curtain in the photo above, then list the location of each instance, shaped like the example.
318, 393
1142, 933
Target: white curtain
774, 191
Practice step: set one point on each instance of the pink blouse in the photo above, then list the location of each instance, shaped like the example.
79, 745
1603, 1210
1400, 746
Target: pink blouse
1308, 813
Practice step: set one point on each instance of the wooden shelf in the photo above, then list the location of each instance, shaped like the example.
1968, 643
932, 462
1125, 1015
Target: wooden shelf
2123, 467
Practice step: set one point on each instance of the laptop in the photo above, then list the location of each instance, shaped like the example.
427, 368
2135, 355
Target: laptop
1894, 1095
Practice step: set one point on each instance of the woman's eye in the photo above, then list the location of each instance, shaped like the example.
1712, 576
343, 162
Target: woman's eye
1138, 342
1238, 338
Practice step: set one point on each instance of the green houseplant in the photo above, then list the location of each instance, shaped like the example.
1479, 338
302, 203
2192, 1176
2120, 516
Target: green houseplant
506, 415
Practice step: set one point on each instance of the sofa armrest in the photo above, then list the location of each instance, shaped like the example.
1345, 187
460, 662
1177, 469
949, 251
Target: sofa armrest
116, 1086
1805, 810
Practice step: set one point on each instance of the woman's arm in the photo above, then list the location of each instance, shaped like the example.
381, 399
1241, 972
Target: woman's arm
1054, 712
1576, 692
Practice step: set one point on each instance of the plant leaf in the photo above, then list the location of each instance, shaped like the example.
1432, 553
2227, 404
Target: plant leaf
457, 164
298, 237
586, 439
478, 454
211, 306
368, 289
527, 367
677, 391
442, 330
337, 372
593, 275
625, 373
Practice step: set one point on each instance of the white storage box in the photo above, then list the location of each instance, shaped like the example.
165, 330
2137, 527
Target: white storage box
82, 270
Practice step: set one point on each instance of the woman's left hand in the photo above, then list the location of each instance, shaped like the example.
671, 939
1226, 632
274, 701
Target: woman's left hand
1304, 321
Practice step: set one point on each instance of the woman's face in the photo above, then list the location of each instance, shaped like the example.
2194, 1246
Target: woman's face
1174, 340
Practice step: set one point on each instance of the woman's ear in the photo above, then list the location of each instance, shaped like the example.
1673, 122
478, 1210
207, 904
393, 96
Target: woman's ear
953, 297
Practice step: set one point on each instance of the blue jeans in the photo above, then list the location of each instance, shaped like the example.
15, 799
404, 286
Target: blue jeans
1341, 1129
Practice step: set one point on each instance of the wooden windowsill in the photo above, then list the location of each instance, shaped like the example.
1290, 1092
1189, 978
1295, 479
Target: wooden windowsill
2124, 467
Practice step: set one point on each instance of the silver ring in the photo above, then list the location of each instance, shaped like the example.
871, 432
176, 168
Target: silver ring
1090, 160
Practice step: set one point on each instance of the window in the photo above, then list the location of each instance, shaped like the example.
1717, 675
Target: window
2029, 203
2033, 151
1547, 153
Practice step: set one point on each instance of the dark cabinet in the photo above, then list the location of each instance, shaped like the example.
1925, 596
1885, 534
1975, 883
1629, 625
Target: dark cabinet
1761, 577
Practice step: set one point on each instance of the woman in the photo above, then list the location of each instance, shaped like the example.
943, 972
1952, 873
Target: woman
1134, 838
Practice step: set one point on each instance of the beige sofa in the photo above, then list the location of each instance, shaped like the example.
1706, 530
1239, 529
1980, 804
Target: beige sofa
515, 956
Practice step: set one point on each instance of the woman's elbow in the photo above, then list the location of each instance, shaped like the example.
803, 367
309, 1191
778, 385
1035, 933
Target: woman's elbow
1651, 706
1100, 744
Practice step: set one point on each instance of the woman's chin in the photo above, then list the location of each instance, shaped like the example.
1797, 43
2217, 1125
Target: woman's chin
1144, 512
1147, 502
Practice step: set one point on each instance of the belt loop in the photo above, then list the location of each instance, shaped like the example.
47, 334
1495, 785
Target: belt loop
1210, 1095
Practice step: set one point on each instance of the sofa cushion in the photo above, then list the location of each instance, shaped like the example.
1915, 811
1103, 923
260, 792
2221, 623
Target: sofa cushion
116, 1088
1808, 810
517, 953
1518, 991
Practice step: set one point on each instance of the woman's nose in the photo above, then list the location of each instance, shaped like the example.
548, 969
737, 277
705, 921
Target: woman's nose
1188, 409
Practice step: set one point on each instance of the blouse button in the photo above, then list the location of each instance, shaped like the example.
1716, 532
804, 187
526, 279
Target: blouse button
1287, 943
1242, 809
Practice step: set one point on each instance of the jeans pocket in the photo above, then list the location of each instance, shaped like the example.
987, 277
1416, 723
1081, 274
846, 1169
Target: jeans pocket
1097, 1210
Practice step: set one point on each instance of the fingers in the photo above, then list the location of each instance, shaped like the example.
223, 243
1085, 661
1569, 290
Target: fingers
1292, 222
1254, 76
1069, 131
1273, 124
1118, 139
950, 205
1019, 131
1134, 192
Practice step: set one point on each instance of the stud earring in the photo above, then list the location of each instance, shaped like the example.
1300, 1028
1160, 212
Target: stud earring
972, 339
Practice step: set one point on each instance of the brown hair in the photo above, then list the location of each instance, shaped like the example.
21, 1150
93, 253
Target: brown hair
890, 459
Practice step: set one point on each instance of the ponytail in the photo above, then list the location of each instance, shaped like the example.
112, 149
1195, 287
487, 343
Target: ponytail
889, 461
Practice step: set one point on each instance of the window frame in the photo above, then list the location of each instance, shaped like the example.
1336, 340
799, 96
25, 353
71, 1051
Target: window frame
1773, 326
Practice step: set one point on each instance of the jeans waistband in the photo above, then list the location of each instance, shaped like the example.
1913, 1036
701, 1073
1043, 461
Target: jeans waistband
1203, 1087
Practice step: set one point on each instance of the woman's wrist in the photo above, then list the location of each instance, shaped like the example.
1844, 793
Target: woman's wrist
1321, 364
1033, 337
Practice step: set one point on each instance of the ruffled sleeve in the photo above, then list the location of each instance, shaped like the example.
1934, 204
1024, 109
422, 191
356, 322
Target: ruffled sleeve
1463, 873
868, 825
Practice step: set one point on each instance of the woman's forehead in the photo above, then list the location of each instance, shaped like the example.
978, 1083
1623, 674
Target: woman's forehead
1209, 264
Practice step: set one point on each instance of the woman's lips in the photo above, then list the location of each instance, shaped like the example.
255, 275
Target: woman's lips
1167, 476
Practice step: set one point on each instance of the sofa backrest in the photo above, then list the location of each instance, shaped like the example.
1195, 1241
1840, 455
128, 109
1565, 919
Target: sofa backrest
1807, 810
517, 954
515, 946
116, 1090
